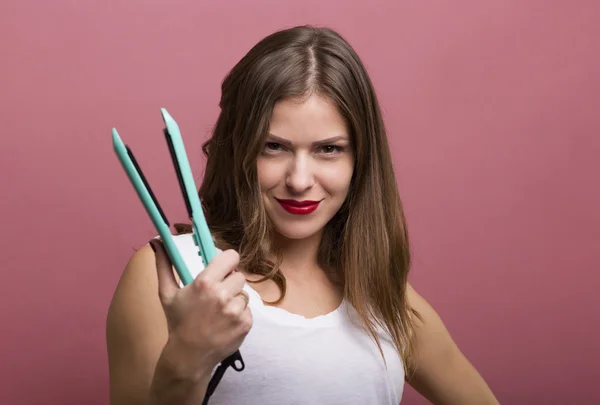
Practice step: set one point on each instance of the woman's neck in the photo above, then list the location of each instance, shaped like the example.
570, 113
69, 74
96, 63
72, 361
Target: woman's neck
299, 256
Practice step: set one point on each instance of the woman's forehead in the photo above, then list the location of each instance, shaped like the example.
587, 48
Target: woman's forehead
312, 119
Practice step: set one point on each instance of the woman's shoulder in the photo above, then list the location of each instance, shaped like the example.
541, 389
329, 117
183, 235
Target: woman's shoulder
135, 324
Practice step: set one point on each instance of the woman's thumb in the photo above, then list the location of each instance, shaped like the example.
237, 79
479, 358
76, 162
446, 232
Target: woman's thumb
167, 284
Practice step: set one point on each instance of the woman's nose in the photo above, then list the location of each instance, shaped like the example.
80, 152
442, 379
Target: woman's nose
299, 176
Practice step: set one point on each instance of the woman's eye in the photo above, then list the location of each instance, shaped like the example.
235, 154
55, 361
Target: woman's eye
273, 146
330, 149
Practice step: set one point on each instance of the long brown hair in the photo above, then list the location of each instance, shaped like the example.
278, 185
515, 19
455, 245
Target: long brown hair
366, 243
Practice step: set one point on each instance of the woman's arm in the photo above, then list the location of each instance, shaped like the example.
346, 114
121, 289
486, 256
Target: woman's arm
144, 368
444, 375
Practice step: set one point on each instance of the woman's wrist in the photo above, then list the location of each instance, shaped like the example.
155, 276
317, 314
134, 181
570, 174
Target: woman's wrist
177, 380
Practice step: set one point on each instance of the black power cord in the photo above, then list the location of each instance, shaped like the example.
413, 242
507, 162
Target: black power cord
234, 361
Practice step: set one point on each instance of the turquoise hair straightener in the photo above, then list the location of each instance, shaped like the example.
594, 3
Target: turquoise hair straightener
200, 231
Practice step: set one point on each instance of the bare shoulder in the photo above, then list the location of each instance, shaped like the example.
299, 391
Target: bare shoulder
434, 343
443, 374
136, 330
420, 304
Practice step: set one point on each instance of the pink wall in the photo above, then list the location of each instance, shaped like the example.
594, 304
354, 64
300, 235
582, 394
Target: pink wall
492, 109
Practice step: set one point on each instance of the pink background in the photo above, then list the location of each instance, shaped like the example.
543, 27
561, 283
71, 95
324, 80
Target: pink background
492, 110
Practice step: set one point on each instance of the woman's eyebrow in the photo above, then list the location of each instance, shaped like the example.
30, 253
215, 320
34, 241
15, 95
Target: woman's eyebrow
286, 142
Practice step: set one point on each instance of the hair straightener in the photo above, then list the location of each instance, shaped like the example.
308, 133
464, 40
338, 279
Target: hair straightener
201, 233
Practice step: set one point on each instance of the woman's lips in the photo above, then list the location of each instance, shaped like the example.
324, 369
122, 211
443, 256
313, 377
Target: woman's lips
299, 207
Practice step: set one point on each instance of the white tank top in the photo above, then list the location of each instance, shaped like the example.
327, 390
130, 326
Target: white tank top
291, 359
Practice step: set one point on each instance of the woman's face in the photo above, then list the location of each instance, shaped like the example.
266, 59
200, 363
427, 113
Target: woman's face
306, 166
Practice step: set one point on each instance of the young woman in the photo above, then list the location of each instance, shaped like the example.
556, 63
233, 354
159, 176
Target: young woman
311, 281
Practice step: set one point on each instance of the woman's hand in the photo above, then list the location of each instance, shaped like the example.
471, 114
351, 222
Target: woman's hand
207, 319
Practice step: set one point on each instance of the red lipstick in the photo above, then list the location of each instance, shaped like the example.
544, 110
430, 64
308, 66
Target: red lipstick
299, 207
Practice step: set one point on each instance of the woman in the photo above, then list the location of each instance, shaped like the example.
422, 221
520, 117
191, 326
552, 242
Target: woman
311, 284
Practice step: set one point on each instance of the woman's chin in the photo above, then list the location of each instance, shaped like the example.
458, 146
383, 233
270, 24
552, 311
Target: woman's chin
298, 232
